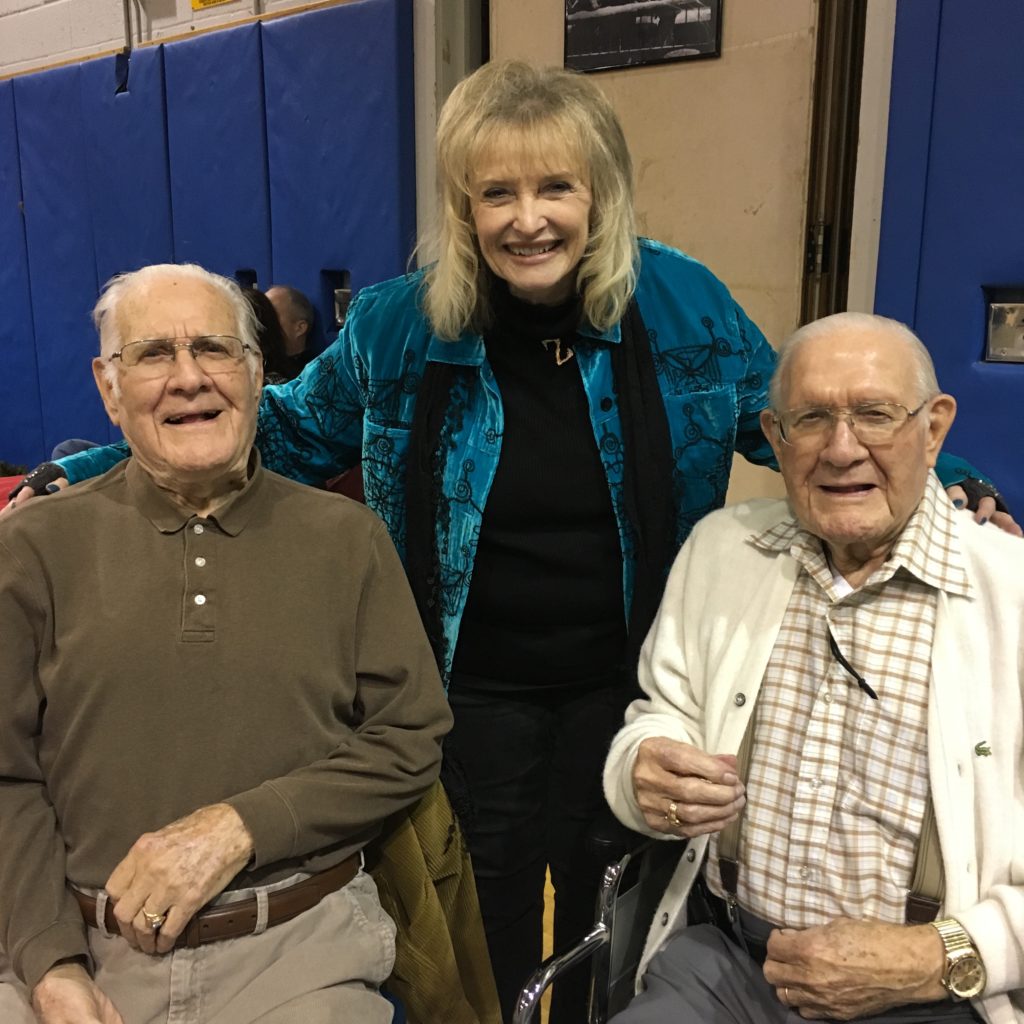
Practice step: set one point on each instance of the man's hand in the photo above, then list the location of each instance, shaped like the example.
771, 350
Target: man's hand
847, 969
704, 787
986, 511
175, 872
67, 995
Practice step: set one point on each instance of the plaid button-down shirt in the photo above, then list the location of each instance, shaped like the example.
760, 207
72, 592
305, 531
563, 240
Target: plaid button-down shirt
838, 781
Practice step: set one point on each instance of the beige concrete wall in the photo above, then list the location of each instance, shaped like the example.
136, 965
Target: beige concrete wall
721, 151
39, 33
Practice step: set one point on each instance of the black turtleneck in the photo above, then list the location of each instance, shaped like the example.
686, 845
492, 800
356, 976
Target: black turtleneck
545, 603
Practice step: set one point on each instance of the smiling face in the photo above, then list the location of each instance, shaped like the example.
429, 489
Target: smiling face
532, 219
190, 430
854, 497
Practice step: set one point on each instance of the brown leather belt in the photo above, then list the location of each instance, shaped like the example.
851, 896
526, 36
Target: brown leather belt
232, 920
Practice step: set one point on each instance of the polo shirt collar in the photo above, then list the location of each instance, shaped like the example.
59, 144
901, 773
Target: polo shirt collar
158, 507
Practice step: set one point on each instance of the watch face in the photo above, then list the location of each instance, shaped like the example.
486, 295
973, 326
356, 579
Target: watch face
966, 977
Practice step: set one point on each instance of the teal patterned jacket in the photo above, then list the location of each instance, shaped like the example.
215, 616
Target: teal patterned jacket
355, 403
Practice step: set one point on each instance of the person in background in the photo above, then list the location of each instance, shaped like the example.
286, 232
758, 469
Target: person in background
861, 641
277, 367
542, 416
297, 315
216, 691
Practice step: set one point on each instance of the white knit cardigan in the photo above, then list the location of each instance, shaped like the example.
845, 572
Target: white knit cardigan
701, 668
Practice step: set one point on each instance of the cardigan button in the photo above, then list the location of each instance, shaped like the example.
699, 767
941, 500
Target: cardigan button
606, 404
690, 854
664, 919
740, 699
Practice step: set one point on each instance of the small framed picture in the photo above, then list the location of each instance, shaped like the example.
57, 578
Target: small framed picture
603, 34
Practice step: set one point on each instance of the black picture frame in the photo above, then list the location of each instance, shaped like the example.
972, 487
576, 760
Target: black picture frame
604, 34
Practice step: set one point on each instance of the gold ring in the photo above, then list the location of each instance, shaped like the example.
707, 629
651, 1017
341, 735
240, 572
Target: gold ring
155, 921
672, 817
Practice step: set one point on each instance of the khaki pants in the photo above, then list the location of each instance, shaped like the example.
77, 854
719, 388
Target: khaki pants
322, 967
14, 1006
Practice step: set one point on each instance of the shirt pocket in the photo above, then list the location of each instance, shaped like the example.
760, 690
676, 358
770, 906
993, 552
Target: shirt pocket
702, 425
385, 450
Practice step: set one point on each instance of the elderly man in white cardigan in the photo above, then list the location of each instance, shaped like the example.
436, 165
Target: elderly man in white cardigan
870, 637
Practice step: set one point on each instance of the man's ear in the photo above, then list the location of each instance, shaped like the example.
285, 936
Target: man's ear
106, 390
940, 419
770, 429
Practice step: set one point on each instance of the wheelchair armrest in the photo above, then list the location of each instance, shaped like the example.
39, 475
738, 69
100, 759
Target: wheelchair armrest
609, 840
555, 966
595, 944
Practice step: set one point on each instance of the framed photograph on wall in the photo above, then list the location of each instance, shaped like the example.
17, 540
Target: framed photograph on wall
603, 34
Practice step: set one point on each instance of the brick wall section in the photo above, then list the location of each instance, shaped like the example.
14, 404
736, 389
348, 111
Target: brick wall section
36, 33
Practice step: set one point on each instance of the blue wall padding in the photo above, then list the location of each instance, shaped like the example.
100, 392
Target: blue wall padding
126, 161
177, 168
59, 233
217, 145
915, 50
952, 216
21, 416
340, 131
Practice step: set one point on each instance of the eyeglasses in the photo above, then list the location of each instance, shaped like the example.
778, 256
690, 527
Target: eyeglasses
871, 423
215, 353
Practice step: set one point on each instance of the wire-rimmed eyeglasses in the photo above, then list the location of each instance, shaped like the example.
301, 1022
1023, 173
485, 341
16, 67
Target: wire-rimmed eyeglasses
871, 422
155, 357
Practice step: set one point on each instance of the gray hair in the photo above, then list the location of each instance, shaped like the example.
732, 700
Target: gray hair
120, 286
926, 382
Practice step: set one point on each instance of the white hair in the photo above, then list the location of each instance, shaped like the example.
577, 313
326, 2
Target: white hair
104, 314
926, 382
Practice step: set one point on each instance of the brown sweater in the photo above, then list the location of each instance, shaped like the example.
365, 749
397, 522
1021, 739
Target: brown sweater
151, 663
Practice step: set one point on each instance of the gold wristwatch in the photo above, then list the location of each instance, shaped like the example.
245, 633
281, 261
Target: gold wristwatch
964, 975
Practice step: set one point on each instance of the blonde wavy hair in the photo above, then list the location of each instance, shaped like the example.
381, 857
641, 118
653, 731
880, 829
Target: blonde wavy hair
528, 113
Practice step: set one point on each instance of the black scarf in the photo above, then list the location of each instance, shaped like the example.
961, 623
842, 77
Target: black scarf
648, 466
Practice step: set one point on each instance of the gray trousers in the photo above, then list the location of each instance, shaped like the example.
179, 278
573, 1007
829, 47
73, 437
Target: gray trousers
703, 976
322, 967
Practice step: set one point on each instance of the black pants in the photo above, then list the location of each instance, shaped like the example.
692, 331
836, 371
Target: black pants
532, 762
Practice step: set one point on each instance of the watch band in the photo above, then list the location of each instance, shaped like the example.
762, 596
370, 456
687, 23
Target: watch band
962, 958
954, 938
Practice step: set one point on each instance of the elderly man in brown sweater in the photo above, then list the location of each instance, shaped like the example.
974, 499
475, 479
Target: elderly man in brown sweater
215, 690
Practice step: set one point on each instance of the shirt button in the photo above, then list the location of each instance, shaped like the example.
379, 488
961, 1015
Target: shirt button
827, 698
606, 405
805, 872
740, 699
200, 561
200, 599
198, 528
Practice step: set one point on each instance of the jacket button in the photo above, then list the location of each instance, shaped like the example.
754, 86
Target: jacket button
606, 405
740, 699
664, 919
